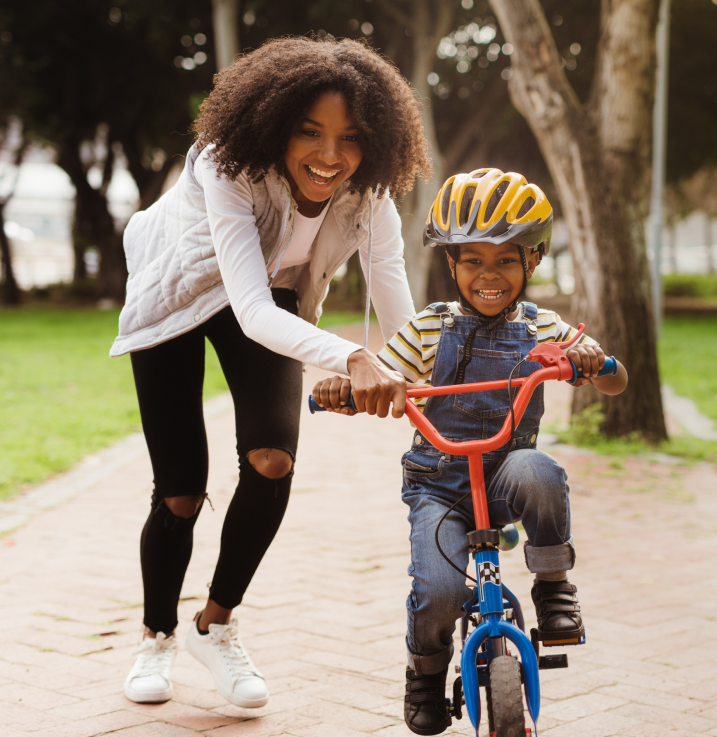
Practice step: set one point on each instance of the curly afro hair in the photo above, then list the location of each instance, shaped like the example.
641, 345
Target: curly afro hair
256, 103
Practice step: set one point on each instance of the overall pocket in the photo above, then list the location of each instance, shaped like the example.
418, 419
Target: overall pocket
486, 365
418, 464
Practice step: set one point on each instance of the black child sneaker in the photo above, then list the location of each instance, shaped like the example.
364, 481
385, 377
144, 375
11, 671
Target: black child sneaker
558, 612
425, 709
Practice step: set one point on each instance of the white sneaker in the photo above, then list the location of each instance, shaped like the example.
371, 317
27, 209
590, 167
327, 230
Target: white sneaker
150, 680
235, 676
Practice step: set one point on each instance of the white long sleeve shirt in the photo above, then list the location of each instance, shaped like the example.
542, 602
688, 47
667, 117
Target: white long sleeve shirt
244, 272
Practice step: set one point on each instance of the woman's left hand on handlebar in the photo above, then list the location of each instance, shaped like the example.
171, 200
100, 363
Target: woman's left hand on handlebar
333, 395
587, 358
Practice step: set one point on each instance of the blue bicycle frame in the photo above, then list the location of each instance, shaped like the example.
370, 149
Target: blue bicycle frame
491, 598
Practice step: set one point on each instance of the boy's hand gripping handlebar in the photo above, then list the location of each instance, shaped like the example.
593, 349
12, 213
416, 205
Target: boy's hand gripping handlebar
547, 354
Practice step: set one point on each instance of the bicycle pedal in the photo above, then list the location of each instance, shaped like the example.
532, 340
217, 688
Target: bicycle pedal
548, 662
571, 641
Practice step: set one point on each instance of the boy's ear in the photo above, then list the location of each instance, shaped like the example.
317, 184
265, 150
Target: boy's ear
451, 264
533, 261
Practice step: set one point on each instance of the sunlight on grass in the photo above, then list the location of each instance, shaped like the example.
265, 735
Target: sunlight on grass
688, 357
61, 396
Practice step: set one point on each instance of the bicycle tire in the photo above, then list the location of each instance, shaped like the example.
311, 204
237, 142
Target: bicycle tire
506, 697
489, 709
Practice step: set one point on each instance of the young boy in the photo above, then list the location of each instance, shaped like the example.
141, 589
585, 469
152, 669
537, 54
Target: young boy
496, 227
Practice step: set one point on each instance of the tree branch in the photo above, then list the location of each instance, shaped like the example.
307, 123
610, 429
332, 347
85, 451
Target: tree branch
472, 127
539, 88
389, 8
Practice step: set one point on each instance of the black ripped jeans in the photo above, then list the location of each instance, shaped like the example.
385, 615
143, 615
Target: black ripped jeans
266, 389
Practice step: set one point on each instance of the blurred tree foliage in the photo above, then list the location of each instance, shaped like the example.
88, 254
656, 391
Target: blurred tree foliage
98, 80
692, 111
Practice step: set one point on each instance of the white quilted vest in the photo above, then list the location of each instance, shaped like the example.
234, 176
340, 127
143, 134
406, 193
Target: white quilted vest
174, 282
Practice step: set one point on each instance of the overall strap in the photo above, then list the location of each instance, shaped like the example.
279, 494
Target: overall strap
530, 311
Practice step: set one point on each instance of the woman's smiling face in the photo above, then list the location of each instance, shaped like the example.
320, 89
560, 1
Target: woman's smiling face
490, 277
324, 150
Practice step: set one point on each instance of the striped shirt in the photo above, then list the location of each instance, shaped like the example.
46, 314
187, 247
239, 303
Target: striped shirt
412, 350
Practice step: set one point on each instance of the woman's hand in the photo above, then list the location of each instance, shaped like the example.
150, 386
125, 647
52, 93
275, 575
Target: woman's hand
333, 395
374, 386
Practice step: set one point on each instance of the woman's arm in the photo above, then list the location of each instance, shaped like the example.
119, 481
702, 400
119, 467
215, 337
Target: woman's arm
390, 293
241, 262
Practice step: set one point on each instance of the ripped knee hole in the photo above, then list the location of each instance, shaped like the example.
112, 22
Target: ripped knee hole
272, 463
184, 507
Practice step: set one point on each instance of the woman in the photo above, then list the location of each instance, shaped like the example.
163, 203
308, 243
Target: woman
298, 146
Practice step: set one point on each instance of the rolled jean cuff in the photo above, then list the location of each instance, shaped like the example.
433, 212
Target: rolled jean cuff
429, 665
551, 557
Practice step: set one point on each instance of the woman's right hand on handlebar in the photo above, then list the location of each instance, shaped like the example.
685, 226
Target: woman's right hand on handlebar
375, 387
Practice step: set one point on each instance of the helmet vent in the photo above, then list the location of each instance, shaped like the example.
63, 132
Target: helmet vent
479, 174
525, 207
494, 200
466, 203
446, 202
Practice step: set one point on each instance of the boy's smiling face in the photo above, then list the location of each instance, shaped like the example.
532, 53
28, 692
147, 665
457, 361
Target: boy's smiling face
490, 277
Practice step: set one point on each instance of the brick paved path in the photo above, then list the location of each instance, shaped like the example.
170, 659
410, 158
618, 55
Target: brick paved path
324, 618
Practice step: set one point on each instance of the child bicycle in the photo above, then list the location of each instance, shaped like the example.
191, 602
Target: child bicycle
494, 611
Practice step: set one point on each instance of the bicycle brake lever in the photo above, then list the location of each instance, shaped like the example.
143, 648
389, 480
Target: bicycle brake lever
567, 343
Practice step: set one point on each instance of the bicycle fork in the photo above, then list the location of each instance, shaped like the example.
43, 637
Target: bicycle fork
490, 594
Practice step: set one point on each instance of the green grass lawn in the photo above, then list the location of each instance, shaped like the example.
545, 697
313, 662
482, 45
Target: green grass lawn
62, 397
688, 360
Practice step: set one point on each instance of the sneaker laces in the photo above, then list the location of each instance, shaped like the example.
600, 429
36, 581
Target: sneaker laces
236, 658
154, 655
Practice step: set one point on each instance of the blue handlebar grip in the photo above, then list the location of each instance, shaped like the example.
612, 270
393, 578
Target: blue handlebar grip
314, 407
610, 367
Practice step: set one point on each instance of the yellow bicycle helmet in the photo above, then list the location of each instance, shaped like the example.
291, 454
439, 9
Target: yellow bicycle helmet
489, 206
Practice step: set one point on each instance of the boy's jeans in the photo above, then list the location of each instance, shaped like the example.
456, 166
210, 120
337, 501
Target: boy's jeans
530, 486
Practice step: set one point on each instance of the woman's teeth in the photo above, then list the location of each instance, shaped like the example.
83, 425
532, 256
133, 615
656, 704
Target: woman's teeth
491, 293
319, 176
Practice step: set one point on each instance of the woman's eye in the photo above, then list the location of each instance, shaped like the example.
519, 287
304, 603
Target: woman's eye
351, 139
310, 133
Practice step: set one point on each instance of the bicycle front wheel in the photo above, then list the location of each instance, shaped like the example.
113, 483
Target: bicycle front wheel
506, 698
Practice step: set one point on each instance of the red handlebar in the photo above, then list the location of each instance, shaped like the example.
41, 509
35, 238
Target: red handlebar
556, 365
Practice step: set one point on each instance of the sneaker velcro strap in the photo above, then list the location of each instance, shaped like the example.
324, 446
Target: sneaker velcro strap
422, 683
547, 597
424, 698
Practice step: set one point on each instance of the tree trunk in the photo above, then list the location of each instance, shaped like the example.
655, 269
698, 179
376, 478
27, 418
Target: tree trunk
98, 223
708, 244
149, 182
10, 290
225, 20
426, 33
597, 154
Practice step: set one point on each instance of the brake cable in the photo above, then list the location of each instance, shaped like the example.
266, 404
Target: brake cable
495, 470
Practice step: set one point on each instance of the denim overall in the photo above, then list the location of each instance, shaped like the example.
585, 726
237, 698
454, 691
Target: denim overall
529, 485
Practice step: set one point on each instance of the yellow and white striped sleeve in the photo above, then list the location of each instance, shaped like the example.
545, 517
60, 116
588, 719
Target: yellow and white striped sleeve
552, 329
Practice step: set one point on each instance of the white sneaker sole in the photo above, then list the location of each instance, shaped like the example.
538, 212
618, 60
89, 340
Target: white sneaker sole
144, 698
230, 696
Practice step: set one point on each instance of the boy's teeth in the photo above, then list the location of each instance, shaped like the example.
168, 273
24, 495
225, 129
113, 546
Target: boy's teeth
491, 293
